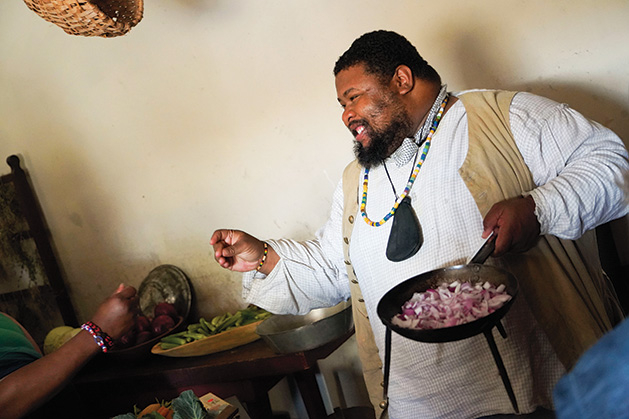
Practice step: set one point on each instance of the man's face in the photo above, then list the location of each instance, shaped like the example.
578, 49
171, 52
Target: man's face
374, 114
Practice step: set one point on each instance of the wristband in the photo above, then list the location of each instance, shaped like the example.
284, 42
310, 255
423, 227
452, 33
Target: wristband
266, 252
102, 339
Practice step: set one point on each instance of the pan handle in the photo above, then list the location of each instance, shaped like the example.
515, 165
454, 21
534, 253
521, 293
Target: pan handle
485, 250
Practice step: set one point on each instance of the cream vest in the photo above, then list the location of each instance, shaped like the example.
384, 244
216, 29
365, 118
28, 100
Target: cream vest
562, 280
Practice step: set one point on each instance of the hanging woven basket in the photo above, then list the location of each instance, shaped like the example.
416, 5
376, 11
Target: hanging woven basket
106, 18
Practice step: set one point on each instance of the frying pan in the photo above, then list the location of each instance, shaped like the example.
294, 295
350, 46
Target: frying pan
392, 302
474, 272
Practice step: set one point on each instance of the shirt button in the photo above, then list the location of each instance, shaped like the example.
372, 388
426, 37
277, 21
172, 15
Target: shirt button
346, 240
360, 300
351, 219
354, 281
347, 262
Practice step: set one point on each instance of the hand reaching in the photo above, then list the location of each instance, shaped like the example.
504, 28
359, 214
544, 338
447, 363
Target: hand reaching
116, 315
514, 223
236, 250
32, 385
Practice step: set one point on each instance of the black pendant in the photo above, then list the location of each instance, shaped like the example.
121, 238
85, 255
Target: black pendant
406, 237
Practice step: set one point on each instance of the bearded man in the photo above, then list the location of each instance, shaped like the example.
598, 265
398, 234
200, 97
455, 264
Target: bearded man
435, 174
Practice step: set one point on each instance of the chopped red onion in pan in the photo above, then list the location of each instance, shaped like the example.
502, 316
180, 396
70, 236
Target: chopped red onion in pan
451, 305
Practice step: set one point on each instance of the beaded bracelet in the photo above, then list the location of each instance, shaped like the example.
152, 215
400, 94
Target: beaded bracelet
101, 338
266, 252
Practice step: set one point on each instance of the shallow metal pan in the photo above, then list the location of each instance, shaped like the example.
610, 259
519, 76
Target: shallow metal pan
392, 302
474, 271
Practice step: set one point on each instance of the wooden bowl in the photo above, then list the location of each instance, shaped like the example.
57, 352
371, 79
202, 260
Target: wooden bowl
143, 349
223, 341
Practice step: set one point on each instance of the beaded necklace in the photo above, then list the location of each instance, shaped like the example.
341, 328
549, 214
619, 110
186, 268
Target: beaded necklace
411, 180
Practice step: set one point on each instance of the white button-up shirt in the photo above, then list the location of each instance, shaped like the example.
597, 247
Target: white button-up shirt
576, 165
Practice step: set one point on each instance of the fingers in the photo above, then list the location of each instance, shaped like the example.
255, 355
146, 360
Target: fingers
514, 223
490, 222
221, 241
236, 250
227, 236
126, 292
497, 221
223, 254
218, 236
226, 244
502, 243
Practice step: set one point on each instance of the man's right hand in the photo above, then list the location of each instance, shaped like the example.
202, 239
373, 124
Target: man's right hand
238, 251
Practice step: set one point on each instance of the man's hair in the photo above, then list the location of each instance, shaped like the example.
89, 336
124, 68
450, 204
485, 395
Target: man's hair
382, 52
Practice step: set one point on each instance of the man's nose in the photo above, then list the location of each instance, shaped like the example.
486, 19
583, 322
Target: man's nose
348, 115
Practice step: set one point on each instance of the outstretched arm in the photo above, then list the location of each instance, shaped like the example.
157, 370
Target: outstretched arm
238, 251
297, 276
25, 389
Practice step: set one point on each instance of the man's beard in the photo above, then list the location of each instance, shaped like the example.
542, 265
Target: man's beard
382, 143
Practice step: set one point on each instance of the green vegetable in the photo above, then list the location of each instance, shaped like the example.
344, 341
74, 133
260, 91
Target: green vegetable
188, 406
195, 336
228, 322
173, 339
205, 325
154, 415
166, 345
264, 315
218, 324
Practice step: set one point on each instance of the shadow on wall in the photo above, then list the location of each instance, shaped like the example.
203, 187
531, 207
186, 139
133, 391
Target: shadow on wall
469, 51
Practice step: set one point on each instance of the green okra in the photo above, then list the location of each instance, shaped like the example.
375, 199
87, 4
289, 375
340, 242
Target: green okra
195, 336
173, 339
204, 325
229, 322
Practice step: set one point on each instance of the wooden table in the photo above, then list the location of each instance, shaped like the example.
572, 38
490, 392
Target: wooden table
247, 372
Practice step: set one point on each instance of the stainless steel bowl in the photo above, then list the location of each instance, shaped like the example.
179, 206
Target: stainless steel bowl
292, 333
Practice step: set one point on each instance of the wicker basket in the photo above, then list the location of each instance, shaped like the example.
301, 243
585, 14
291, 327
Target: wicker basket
106, 18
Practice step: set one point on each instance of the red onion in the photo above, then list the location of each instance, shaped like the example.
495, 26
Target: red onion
451, 305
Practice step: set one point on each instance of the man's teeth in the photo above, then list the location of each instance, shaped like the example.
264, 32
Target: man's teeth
360, 130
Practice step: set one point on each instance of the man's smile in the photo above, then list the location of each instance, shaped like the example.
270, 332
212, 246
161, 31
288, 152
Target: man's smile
359, 131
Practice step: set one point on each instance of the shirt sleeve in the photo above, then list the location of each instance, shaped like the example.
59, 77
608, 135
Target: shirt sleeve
310, 274
577, 166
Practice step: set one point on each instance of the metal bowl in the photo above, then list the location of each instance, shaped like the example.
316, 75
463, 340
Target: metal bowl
292, 333
165, 283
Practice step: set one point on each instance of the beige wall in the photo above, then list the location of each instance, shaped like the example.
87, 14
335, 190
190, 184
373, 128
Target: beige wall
216, 114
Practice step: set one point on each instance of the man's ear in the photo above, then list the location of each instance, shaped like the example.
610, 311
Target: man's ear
403, 80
